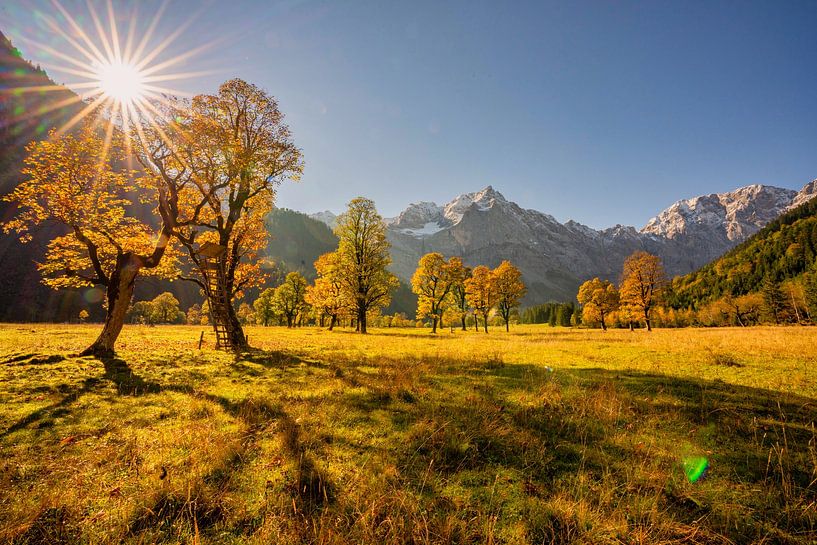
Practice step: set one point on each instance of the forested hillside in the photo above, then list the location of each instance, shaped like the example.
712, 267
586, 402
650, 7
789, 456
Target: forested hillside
781, 251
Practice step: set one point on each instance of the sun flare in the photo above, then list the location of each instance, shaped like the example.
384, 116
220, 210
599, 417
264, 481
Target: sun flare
118, 79
121, 81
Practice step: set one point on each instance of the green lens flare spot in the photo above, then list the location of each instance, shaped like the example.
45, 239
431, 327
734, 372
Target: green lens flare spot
695, 467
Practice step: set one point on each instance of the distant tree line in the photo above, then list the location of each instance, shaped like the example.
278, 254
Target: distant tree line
555, 314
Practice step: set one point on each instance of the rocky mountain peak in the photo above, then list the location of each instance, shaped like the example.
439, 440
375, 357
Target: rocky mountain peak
419, 215
736, 214
808, 192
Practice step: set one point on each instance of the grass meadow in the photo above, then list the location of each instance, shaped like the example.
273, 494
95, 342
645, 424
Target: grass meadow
535, 436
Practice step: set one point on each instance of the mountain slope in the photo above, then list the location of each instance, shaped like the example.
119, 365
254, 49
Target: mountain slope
783, 250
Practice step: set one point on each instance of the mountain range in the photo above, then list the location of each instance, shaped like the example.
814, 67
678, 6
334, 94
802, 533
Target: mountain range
484, 228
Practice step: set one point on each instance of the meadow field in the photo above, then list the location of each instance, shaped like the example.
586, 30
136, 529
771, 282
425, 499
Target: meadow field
535, 436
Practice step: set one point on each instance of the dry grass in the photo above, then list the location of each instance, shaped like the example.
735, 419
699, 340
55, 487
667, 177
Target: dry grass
541, 435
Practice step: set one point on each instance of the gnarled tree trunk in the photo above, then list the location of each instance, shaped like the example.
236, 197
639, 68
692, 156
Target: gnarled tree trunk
119, 294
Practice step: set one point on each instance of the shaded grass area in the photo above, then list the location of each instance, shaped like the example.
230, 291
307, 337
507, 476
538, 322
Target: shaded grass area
405, 438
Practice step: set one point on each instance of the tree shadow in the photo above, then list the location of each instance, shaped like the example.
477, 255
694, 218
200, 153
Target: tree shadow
126, 381
276, 359
202, 507
116, 370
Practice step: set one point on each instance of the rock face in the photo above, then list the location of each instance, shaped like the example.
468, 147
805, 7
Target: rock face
485, 228
808, 192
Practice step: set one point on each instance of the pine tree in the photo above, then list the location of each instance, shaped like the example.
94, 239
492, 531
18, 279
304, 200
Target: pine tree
774, 300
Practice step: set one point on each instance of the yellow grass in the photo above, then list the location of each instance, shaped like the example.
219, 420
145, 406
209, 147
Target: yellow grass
538, 435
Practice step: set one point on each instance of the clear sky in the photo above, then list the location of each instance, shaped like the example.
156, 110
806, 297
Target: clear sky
603, 112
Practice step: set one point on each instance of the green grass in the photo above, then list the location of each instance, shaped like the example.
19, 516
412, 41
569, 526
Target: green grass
540, 435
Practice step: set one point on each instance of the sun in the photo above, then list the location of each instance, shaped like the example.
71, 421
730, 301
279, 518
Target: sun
121, 81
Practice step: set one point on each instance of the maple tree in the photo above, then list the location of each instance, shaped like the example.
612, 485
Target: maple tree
363, 255
218, 160
432, 282
598, 299
509, 289
265, 307
642, 283
481, 292
289, 297
458, 293
327, 295
71, 179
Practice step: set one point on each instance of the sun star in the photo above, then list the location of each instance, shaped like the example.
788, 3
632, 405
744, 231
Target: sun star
121, 81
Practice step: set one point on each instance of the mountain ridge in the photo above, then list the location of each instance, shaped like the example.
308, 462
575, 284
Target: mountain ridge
485, 227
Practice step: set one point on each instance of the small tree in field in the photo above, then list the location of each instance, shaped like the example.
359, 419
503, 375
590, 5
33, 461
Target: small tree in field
83, 316
327, 295
265, 307
642, 284
432, 282
459, 295
363, 255
481, 292
289, 297
598, 299
70, 180
165, 308
509, 290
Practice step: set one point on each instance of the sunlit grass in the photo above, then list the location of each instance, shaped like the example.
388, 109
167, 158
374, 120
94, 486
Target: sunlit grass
542, 434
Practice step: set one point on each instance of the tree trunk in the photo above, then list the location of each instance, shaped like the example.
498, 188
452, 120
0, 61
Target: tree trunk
463, 323
434, 324
119, 294
332, 320
647, 319
507, 328
603, 325
361, 319
485, 322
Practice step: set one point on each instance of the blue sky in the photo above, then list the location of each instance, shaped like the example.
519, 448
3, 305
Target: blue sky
603, 112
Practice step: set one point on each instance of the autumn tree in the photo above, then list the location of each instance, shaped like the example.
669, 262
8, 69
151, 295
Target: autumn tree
194, 315
643, 281
509, 289
265, 307
246, 314
327, 295
743, 310
218, 160
289, 297
458, 291
598, 299
164, 308
481, 293
432, 282
363, 255
70, 179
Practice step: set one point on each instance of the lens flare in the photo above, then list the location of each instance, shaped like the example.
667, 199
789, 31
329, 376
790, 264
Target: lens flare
118, 78
695, 467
